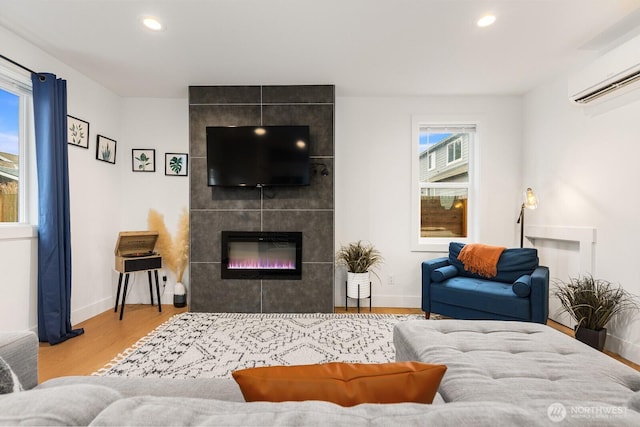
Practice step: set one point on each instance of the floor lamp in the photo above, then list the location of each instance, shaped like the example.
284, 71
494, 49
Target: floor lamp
530, 202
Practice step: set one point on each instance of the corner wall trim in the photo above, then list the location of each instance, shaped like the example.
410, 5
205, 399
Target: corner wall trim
585, 236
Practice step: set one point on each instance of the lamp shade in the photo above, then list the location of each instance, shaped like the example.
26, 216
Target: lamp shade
530, 199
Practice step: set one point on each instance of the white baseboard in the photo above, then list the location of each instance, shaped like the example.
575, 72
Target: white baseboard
403, 301
626, 349
87, 312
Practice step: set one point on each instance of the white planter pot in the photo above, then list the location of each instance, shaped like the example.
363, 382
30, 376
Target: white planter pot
179, 295
358, 282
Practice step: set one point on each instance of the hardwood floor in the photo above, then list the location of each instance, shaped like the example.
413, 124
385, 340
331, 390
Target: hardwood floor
106, 336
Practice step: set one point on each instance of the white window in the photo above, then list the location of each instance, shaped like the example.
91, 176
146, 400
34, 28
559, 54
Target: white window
442, 207
454, 151
15, 145
432, 161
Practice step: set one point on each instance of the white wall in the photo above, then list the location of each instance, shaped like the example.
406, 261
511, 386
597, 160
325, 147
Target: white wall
583, 164
373, 182
105, 198
163, 125
94, 197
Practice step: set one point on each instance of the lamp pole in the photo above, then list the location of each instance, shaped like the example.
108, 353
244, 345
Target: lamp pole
521, 222
530, 202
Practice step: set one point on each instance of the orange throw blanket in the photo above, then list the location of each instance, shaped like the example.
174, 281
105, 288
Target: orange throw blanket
481, 259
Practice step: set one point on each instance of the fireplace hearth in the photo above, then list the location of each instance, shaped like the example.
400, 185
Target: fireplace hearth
261, 255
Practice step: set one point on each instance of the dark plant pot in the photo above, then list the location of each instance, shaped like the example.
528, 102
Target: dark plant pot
592, 338
180, 300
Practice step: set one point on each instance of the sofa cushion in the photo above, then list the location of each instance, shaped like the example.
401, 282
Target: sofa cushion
165, 411
634, 401
20, 351
59, 406
9, 381
346, 384
513, 263
522, 286
494, 297
442, 273
514, 362
212, 388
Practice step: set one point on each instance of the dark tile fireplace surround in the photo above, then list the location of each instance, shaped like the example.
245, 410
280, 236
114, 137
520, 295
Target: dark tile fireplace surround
308, 211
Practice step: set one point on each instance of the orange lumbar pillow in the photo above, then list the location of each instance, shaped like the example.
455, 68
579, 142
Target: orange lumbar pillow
346, 384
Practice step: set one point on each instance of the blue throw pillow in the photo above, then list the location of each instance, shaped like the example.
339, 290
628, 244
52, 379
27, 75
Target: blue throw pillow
443, 273
522, 286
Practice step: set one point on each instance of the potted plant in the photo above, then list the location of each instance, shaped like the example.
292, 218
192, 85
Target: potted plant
359, 258
174, 250
592, 303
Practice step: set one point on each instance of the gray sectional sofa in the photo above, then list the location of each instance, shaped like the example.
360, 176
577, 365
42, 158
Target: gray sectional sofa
494, 378
529, 365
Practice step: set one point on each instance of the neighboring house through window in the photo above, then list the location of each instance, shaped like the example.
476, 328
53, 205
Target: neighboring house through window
454, 149
442, 165
15, 113
432, 161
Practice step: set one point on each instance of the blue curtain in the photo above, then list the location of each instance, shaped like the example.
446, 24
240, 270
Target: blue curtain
54, 232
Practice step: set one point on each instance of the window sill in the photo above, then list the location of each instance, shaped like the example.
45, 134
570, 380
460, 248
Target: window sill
436, 244
18, 231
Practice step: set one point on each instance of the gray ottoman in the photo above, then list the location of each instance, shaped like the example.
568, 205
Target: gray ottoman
516, 362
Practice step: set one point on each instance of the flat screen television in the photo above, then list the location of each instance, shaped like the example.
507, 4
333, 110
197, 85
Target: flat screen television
257, 156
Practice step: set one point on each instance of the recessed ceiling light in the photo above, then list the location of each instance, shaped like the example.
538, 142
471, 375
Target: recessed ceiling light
152, 23
486, 20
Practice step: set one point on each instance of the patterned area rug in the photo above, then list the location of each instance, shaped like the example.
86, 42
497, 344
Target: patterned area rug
212, 345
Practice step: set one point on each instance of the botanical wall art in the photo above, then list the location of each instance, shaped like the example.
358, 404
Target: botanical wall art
106, 149
77, 132
143, 160
176, 164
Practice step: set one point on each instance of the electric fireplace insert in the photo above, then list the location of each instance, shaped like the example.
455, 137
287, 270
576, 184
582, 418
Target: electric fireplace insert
261, 255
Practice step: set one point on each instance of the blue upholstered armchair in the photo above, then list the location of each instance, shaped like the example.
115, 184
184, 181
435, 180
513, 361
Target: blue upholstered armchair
519, 291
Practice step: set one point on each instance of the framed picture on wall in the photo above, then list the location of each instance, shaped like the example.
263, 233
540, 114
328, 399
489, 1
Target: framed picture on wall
176, 164
143, 160
106, 149
77, 132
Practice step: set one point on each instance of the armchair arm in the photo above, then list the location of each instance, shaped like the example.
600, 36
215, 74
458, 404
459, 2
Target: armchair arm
427, 268
20, 351
539, 299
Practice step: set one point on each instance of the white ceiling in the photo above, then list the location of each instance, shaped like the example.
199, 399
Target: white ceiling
364, 47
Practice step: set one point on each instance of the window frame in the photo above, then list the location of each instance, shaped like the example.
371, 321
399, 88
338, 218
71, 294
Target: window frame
454, 144
20, 85
431, 161
441, 244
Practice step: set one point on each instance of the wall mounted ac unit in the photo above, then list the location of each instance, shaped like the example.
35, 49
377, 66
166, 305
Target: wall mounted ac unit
614, 73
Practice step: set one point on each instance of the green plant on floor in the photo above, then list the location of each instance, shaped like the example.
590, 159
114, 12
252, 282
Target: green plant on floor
591, 302
359, 257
